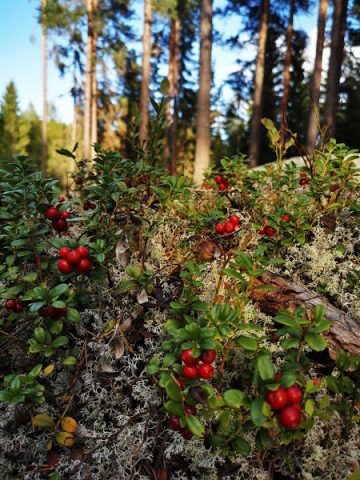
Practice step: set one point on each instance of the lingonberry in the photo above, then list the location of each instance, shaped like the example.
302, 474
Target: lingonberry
234, 219
189, 372
294, 394
60, 225
58, 312
222, 186
92, 206
208, 356
127, 182
269, 231
173, 423
186, 434
87, 205
78, 181
219, 227
303, 181
64, 252
73, 257
10, 304
180, 382
189, 410
206, 371
229, 226
83, 251
297, 406
65, 215
83, 266
277, 399
278, 377
316, 381
18, 307
261, 231
46, 312
64, 266
285, 218
52, 214
187, 357
61, 198
290, 417
218, 179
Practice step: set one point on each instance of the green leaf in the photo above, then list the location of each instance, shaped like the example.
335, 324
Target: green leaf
236, 399
60, 341
240, 445
333, 384
257, 415
195, 426
173, 390
5, 396
265, 367
34, 307
39, 334
175, 408
58, 290
247, 343
263, 439
355, 475
319, 313
69, 361
58, 304
309, 407
315, 341
73, 315
35, 372
217, 441
65, 153
30, 277
169, 359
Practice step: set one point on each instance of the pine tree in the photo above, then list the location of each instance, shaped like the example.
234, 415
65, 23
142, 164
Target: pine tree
10, 122
145, 77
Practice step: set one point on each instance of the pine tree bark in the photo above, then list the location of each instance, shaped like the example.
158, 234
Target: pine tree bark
316, 79
88, 83
259, 85
202, 149
146, 70
44, 133
94, 93
336, 58
171, 112
287, 64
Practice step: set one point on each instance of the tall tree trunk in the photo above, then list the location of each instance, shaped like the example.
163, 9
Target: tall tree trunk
286, 81
44, 134
171, 112
146, 70
202, 150
94, 93
316, 79
259, 85
336, 58
88, 83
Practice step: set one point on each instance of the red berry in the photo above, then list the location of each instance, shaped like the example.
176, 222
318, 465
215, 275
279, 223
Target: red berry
73, 257
234, 219
187, 357
304, 181
65, 215
92, 206
261, 231
83, 251
173, 423
206, 371
58, 313
64, 266
277, 399
46, 311
222, 186
180, 382
186, 434
189, 410
189, 372
18, 307
278, 377
229, 226
208, 356
10, 304
83, 266
316, 381
286, 218
87, 205
294, 394
333, 174
61, 198
127, 182
290, 417
64, 252
52, 214
219, 227
218, 179
297, 406
269, 231
60, 225
78, 181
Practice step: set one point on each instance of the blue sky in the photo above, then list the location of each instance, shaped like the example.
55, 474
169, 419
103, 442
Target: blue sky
20, 55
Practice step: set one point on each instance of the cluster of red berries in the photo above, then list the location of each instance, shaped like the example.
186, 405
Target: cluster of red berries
14, 306
287, 403
229, 226
57, 218
51, 312
304, 179
174, 422
268, 231
87, 205
71, 260
222, 182
193, 369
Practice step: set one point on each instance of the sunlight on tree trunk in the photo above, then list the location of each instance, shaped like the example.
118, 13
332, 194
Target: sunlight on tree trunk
259, 85
94, 93
314, 117
44, 134
88, 84
202, 152
146, 70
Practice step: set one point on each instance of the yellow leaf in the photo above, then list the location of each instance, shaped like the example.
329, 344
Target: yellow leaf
49, 445
42, 421
68, 424
65, 438
48, 370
